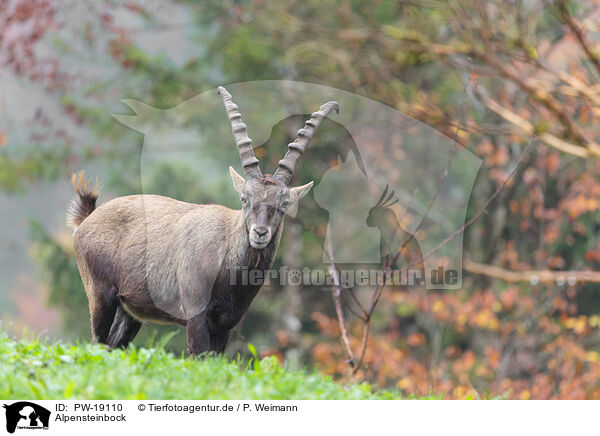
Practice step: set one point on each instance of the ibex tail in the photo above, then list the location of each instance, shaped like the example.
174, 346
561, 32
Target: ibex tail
85, 203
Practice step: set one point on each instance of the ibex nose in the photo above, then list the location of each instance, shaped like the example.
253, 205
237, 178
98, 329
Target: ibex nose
260, 231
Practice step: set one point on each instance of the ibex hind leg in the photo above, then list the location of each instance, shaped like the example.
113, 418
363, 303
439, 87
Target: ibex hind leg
103, 305
123, 330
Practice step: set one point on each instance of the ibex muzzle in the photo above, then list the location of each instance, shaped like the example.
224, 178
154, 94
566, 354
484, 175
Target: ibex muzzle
152, 258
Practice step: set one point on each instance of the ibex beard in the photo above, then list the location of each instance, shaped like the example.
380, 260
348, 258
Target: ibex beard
153, 258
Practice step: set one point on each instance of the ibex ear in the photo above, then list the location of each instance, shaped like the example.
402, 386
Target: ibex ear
300, 191
296, 194
238, 181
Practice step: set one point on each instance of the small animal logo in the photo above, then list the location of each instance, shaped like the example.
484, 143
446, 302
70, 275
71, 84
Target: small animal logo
26, 415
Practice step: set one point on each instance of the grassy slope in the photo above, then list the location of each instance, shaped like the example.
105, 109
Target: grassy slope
38, 370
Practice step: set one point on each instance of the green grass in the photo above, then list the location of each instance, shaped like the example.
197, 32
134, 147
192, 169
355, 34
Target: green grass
36, 369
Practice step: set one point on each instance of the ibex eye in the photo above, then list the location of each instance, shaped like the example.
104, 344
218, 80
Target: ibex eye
285, 203
243, 198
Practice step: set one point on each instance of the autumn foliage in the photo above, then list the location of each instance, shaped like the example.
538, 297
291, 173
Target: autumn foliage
505, 335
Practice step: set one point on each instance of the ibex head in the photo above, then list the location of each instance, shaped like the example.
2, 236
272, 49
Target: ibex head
266, 198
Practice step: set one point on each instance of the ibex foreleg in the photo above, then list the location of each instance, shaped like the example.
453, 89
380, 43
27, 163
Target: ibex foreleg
198, 338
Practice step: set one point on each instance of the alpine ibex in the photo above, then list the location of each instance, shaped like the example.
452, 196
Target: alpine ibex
153, 258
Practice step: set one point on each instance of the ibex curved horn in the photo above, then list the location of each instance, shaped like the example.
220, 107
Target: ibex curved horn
240, 133
296, 148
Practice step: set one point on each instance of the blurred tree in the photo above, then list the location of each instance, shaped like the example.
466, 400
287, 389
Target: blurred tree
529, 71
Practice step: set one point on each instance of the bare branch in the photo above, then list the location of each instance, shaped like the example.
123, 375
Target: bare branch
345, 338
354, 312
358, 303
543, 97
579, 34
541, 276
548, 138
363, 346
477, 214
